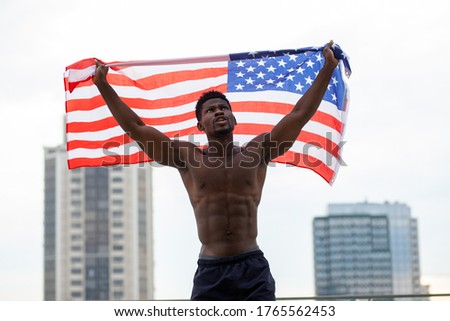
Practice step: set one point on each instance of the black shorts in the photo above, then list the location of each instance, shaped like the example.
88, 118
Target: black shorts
243, 277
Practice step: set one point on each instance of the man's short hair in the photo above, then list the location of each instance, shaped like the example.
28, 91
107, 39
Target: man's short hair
206, 96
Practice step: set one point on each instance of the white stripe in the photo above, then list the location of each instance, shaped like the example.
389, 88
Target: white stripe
87, 116
139, 72
95, 136
127, 149
74, 75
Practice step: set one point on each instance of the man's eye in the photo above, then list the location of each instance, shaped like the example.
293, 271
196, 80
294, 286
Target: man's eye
224, 107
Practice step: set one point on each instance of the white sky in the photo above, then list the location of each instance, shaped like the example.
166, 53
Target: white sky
396, 150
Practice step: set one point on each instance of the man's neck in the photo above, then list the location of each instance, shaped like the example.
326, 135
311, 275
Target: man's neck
220, 146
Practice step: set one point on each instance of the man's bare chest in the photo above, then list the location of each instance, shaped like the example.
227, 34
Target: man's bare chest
237, 172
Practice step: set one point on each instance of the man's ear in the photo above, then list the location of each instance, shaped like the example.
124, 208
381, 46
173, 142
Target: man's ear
200, 126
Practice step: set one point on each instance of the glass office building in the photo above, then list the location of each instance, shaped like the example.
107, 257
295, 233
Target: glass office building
97, 231
367, 249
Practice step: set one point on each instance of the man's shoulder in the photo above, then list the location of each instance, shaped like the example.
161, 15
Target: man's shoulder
257, 140
184, 144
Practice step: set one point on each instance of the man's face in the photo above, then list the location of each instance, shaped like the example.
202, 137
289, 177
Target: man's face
217, 117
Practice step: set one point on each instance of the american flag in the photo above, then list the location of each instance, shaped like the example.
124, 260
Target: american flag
262, 87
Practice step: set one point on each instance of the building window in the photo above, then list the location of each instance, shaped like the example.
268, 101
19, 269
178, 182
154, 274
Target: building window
76, 271
75, 214
76, 191
117, 202
117, 237
117, 213
76, 203
117, 191
118, 295
76, 259
117, 259
117, 224
76, 295
75, 180
76, 237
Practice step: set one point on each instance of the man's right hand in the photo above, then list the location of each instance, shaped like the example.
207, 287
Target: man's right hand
100, 73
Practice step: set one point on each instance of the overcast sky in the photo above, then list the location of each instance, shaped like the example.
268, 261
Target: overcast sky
397, 132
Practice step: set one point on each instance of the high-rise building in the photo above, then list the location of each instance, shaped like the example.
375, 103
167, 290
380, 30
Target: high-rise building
367, 249
98, 231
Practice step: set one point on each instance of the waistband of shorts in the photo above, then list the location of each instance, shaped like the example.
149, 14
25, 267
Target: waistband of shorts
226, 260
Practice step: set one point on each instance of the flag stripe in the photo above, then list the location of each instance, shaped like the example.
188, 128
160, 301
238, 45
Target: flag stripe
139, 157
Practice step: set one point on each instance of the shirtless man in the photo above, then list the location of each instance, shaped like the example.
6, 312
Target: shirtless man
224, 183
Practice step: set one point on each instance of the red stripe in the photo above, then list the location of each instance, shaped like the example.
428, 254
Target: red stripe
121, 140
82, 64
283, 109
306, 161
110, 122
84, 104
93, 126
328, 120
157, 81
139, 157
106, 144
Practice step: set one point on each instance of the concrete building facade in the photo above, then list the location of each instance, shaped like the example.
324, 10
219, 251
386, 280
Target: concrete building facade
367, 249
97, 231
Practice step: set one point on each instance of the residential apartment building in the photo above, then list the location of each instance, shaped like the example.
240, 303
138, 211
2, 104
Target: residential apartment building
98, 231
367, 249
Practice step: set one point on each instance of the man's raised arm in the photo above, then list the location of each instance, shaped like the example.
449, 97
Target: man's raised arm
284, 134
155, 144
